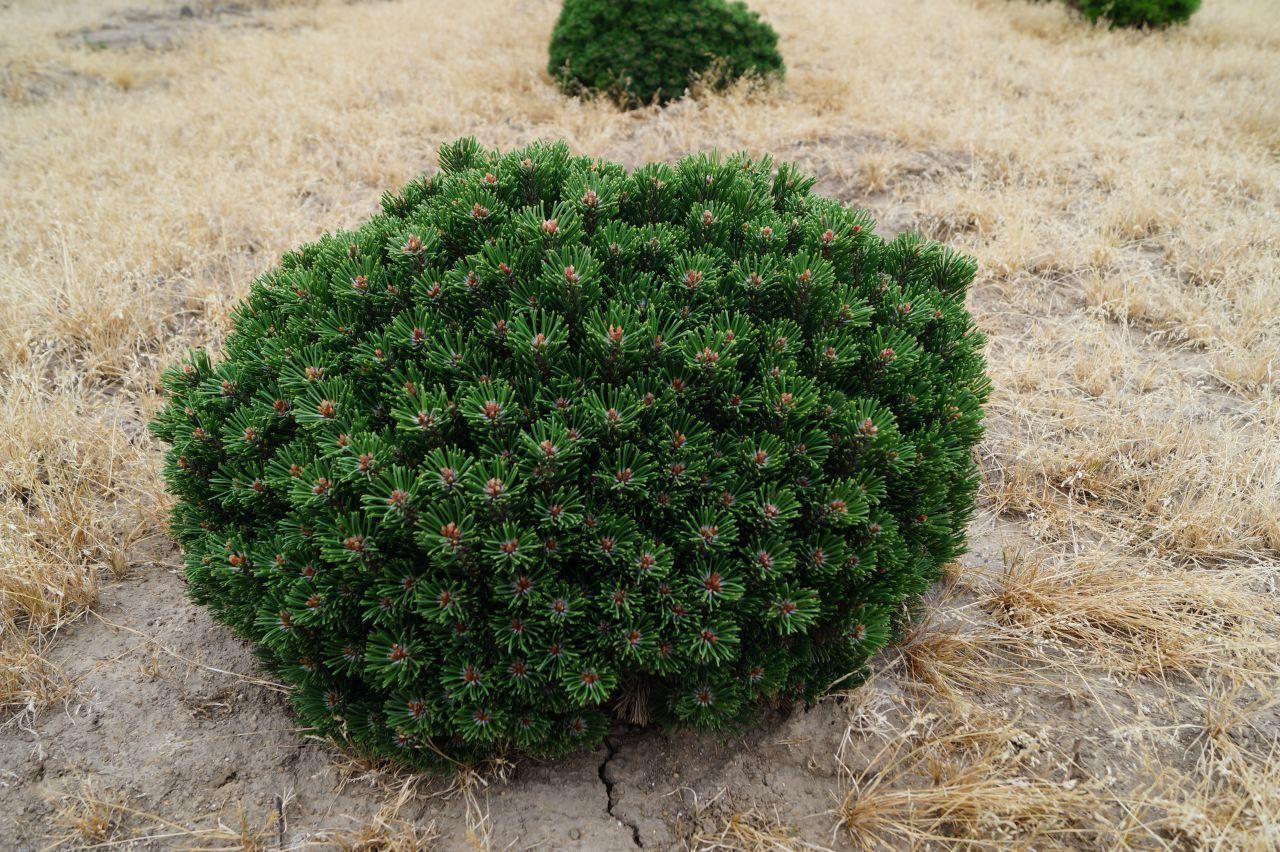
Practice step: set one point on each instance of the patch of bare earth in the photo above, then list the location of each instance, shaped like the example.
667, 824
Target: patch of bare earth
1099, 672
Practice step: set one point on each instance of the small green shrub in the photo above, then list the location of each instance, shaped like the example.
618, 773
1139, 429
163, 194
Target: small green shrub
1139, 13
544, 436
641, 51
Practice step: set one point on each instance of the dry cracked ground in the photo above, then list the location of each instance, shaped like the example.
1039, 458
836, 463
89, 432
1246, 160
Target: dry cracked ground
1100, 671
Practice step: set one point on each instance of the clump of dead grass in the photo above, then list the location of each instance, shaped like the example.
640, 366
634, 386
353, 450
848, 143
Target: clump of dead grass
91, 815
947, 778
1039, 618
1232, 798
1128, 616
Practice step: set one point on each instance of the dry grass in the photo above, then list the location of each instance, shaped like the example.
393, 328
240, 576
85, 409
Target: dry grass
1039, 619
941, 780
1120, 190
1142, 619
65, 512
751, 831
388, 830
96, 816
397, 787
91, 815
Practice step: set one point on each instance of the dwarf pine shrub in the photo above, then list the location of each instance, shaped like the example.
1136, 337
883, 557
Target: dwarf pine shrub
1139, 13
545, 436
642, 51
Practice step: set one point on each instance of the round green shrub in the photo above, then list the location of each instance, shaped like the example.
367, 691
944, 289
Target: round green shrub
643, 51
544, 439
1139, 13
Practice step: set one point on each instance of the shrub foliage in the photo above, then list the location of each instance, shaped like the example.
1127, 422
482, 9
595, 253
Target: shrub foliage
642, 51
1139, 13
545, 437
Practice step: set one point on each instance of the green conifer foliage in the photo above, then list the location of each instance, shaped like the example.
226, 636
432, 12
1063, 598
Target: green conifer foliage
544, 433
641, 51
1139, 13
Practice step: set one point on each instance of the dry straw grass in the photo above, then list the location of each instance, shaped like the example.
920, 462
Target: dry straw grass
96, 816
1120, 189
752, 831
389, 830
939, 781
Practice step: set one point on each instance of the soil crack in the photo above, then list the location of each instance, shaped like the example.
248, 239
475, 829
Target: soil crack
611, 748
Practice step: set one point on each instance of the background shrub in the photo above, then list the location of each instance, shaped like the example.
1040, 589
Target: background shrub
544, 436
641, 51
1139, 13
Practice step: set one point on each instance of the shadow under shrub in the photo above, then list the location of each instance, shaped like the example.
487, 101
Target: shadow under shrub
638, 52
545, 438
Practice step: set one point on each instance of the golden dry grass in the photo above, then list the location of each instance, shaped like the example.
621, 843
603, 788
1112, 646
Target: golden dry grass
941, 780
1121, 191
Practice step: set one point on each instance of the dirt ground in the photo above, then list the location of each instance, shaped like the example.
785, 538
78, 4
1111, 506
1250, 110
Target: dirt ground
1102, 670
